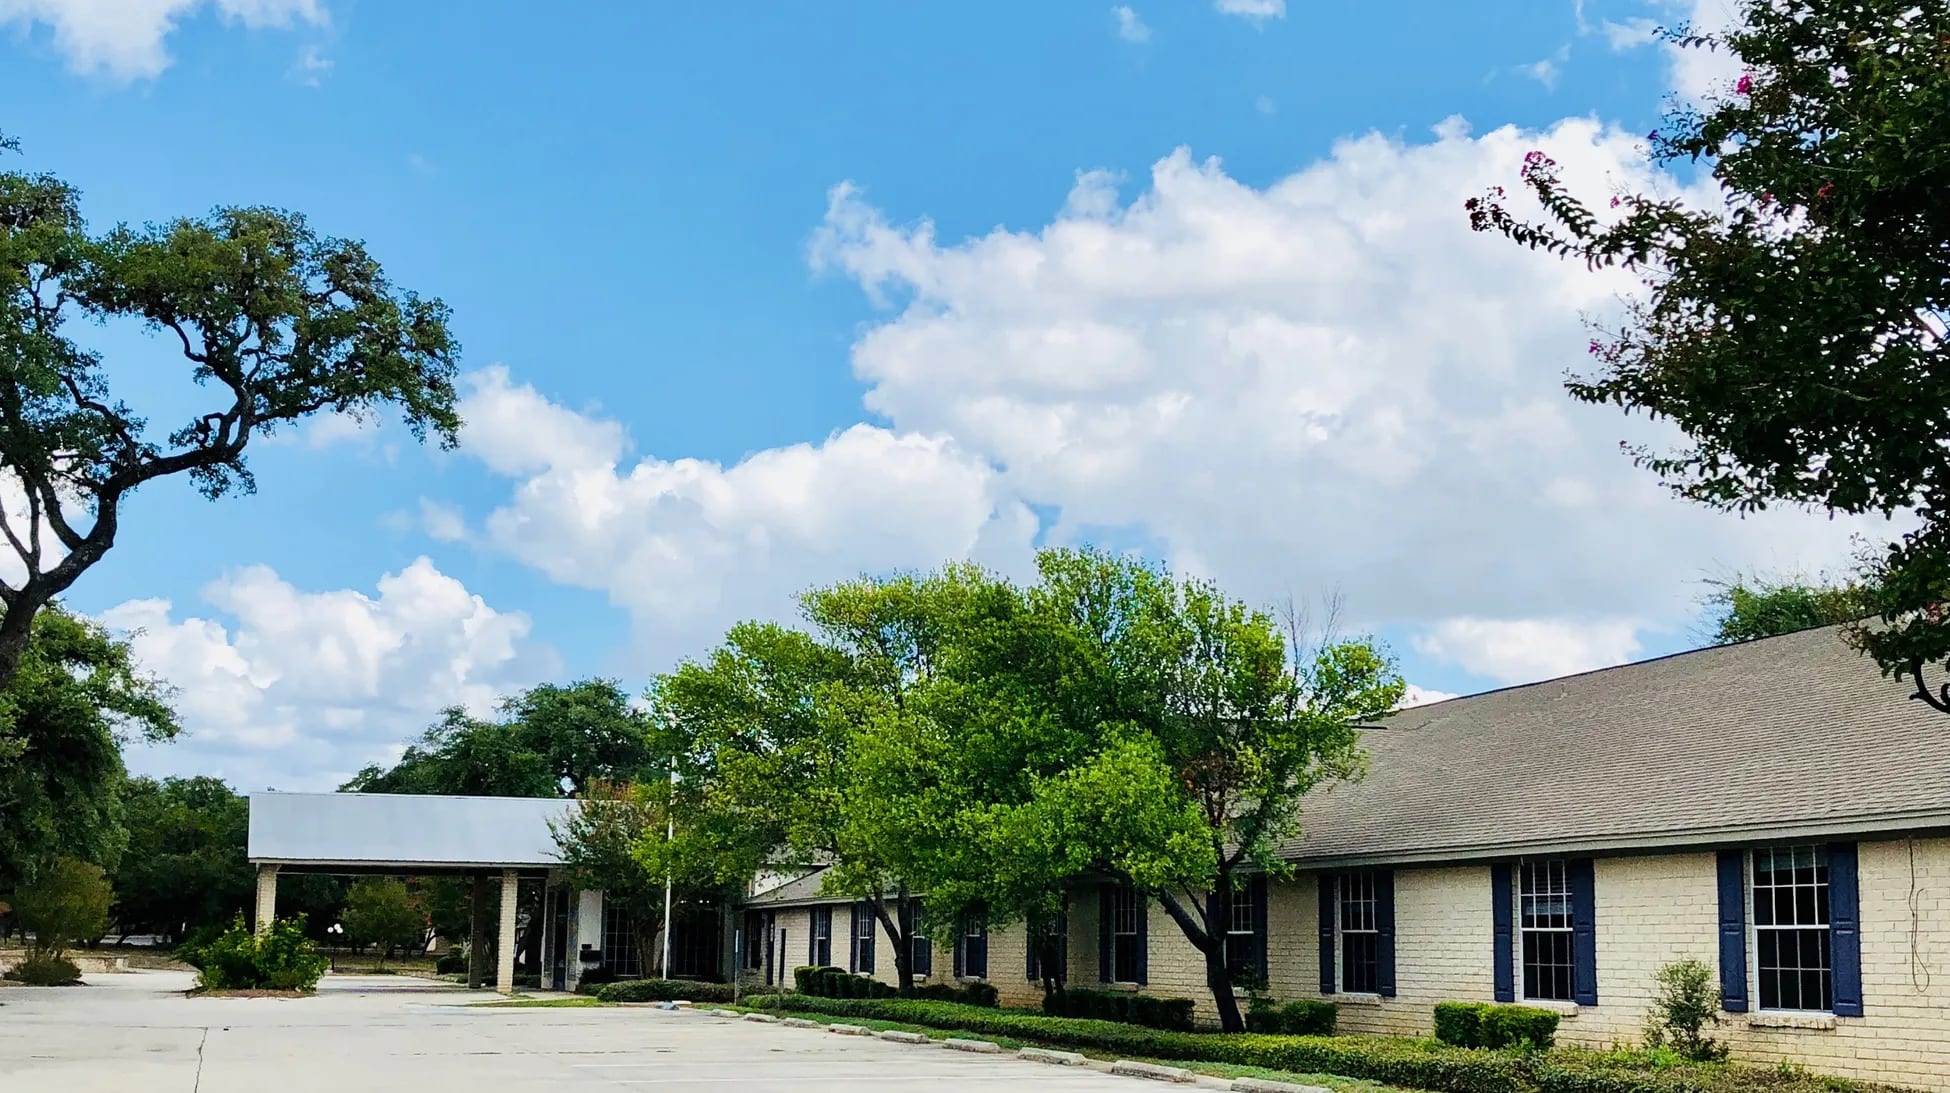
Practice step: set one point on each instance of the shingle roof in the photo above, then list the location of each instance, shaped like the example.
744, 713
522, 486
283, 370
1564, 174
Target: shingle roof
403, 829
1794, 733
805, 889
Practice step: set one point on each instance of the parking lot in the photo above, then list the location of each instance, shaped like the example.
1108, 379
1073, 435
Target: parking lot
136, 1032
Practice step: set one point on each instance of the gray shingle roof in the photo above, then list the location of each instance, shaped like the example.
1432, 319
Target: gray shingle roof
805, 889
1795, 734
403, 829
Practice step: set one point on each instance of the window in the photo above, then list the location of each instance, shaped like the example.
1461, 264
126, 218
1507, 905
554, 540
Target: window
1054, 938
1792, 955
619, 946
1360, 934
861, 952
820, 950
1544, 921
921, 950
973, 948
754, 940
1242, 932
1125, 943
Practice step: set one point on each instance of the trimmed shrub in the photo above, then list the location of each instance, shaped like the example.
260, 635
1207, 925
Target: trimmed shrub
1172, 1014
45, 971
280, 959
1686, 1004
451, 962
802, 978
1301, 1017
1492, 1025
966, 994
663, 990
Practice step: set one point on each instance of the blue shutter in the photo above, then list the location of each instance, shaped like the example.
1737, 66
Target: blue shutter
1030, 943
1584, 930
961, 937
1733, 931
1103, 934
922, 959
1384, 922
1258, 883
1141, 905
812, 937
1329, 981
1502, 908
1845, 928
853, 939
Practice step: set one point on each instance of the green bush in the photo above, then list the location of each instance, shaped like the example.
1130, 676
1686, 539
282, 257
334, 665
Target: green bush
66, 902
966, 994
281, 958
663, 990
839, 983
1394, 1061
451, 962
1123, 1006
1490, 1025
45, 971
1687, 1001
1301, 1017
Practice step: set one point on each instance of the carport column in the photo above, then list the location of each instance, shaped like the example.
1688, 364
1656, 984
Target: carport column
504, 968
267, 896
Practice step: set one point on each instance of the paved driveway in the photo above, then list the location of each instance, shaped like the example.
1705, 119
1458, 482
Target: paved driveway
136, 1032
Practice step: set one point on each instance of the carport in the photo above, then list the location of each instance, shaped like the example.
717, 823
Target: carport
384, 834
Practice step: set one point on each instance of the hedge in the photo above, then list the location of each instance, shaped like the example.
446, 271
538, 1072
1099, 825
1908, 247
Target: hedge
1135, 1009
663, 990
828, 982
1398, 1062
1486, 1024
1302, 1017
45, 971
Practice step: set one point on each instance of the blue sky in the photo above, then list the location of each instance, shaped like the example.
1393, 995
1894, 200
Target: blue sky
757, 298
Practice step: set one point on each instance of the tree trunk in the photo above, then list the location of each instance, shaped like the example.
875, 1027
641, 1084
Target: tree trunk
1049, 958
16, 628
903, 940
1211, 943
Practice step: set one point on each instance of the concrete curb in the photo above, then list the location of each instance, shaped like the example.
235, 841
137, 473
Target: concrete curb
799, 1022
1262, 1085
1053, 1058
898, 1037
762, 1018
980, 1047
1129, 1069
850, 1030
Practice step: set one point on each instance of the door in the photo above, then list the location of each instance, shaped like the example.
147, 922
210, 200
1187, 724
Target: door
558, 937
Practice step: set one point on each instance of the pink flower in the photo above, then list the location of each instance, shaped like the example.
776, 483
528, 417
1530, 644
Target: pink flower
1614, 203
1533, 158
1826, 189
1766, 199
1596, 348
1746, 84
1653, 135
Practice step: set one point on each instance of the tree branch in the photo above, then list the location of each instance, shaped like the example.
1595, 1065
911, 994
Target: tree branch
1194, 931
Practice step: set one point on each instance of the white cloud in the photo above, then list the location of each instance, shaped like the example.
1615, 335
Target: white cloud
1253, 9
1129, 26
442, 522
1328, 382
1423, 696
124, 39
1523, 650
1544, 72
299, 689
1695, 73
1630, 34
311, 67
688, 546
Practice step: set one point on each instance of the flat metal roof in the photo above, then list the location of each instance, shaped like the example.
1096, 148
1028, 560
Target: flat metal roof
402, 829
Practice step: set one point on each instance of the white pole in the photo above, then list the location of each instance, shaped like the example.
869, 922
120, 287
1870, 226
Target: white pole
670, 835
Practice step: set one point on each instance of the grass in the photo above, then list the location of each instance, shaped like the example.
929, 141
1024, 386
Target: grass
521, 1001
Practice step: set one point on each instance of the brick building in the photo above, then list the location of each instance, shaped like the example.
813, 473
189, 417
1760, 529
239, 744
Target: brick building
1775, 809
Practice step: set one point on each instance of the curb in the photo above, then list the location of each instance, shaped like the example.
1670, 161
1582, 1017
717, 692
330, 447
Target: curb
980, 1047
850, 1030
762, 1018
724, 1013
799, 1022
1053, 1058
898, 1037
1263, 1085
1129, 1069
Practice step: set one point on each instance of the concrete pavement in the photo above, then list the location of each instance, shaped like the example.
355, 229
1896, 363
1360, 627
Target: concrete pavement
135, 1032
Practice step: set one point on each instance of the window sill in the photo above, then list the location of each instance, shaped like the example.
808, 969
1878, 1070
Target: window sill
1562, 1009
971, 979
1356, 999
1807, 1022
1128, 988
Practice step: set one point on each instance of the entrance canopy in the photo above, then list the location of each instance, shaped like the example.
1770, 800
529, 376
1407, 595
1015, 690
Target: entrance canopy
378, 832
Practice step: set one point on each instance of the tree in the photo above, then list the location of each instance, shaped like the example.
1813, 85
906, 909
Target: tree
598, 842
1796, 334
284, 323
1211, 724
1756, 607
63, 717
186, 865
462, 754
382, 912
66, 902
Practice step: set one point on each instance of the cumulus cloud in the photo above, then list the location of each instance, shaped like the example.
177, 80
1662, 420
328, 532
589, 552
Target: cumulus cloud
1423, 696
125, 39
1694, 73
281, 686
1253, 9
1129, 26
1327, 382
689, 545
1522, 650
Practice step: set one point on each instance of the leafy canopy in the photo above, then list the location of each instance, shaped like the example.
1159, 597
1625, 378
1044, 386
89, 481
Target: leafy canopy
186, 865
65, 903
383, 912
1796, 332
1756, 607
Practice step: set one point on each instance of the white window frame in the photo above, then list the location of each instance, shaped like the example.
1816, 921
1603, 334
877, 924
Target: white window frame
1557, 885
1242, 903
1136, 907
1750, 883
1341, 930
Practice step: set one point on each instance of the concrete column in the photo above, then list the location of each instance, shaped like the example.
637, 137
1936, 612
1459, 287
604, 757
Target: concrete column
477, 933
267, 896
504, 970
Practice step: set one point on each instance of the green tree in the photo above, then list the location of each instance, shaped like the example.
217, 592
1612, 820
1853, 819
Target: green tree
382, 912
280, 321
598, 841
1794, 329
66, 903
464, 755
186, 865
1757, 607
76, 697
